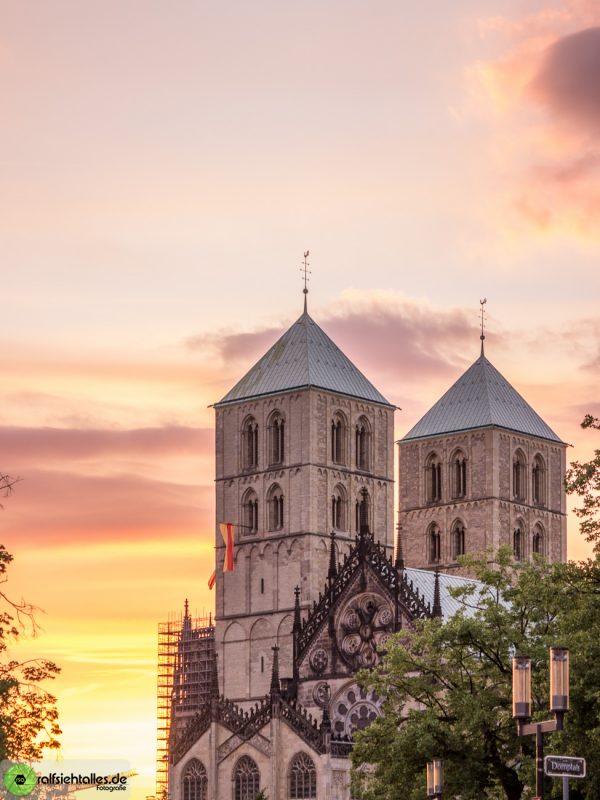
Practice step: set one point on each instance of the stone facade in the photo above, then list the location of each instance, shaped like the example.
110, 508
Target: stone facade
488, 508
254, 603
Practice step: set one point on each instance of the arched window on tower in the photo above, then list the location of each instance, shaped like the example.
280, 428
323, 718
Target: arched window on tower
195, 781
518, 543
249, 443
519, 476
458, 468
338, 508
275, 507
458, 539
362, 511
338, 438
250, 513
434, 538
433, 478
276, 436
302, 777
538, 481
246, 779
538, 540
363, 444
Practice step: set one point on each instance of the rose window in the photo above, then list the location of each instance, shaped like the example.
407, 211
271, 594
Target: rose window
365, 624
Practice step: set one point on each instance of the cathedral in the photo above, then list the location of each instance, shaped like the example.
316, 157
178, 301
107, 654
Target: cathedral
310, 586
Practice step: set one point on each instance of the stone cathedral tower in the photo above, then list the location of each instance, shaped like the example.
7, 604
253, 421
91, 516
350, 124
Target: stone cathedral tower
481, 469
297, 439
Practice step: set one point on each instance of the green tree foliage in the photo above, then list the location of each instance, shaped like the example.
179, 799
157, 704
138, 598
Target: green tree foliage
28, 714
447, 687
583, 479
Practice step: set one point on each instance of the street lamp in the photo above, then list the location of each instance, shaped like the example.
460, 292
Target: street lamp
435, 778
559, 704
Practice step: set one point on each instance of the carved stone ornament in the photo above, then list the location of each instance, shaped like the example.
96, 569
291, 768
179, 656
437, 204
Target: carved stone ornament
321, 694
319, 660
365, 624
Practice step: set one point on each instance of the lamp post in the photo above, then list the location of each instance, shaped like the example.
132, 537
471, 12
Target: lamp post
559, 704
435, 778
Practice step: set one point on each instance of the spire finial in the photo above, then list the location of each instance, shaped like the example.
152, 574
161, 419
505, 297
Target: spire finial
275, 685
482, 312
304, 268
436, 611
399, 553
332, 572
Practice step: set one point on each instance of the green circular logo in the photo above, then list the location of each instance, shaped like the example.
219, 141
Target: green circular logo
20, 779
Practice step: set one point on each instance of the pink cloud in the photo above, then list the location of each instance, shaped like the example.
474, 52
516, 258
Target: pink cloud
384, 337
568, 79
20, 444
546, 121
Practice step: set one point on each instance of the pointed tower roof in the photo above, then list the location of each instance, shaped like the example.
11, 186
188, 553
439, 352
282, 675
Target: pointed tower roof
481, 398
304, 356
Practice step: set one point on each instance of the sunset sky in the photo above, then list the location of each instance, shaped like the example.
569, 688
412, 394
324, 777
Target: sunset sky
163, 167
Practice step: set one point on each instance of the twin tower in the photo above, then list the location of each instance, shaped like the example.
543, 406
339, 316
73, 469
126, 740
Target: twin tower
304, 448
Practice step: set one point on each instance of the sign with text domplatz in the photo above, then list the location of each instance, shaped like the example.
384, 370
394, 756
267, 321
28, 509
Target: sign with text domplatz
564, 766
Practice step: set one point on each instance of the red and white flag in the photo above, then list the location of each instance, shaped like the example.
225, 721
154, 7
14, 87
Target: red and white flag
227, 530
212, 580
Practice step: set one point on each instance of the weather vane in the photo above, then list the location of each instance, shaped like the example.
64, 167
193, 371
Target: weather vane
482, 312
304, 268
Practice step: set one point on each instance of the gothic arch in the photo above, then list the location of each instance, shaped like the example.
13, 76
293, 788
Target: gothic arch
458, 473
249, 513
194, 781
362, 436
275, 438
235, 652
519, 475
538, 540
289, 559
538, 480
259, 667
249, 443
275, 507
339, 508
302, 777
518, 542
246, 779
434, 543
284, 642
339, 437
261, 577
362, 506
458, 538
433, 478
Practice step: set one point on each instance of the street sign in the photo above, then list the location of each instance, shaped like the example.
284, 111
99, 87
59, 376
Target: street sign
564, 767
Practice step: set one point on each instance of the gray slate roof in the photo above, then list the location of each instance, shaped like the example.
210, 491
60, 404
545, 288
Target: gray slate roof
424, 581
304, 356
481, 398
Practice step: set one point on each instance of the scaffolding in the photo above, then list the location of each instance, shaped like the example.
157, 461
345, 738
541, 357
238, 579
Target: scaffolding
186, 649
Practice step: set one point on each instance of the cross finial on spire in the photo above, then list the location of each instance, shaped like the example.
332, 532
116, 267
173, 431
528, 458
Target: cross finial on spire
304, 268
482, 312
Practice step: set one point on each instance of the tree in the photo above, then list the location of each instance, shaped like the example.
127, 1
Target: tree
447, 687
28, 714
583, 479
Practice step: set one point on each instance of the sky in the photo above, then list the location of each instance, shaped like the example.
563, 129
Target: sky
163, 167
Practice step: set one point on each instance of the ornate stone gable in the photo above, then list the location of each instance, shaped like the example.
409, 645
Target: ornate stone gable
365, 599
